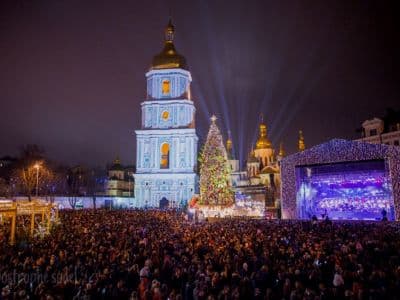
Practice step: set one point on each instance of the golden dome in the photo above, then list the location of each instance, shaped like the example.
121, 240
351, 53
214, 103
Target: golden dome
302, 145
229, 146
263, 142
229, 141
169, 57
116, 165
281, 151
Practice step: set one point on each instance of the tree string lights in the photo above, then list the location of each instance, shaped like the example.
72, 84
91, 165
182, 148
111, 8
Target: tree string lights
214, 170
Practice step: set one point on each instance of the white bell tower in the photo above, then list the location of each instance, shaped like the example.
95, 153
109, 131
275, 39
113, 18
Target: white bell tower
166, 146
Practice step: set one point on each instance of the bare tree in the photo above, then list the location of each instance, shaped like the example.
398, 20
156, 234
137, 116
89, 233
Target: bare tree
54, 183
94, 184
92, 187
75, 182
30, 154
32, 173
72, 201
5, 188
32, 179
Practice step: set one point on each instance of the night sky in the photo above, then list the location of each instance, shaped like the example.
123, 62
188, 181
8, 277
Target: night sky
72, 73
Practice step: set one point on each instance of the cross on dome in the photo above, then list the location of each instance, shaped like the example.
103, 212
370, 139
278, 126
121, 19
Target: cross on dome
169, 58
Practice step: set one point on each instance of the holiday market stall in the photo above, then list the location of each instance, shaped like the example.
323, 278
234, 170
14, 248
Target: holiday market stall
48, 213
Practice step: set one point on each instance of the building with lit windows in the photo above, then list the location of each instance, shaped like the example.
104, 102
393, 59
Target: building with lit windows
120, 180
238, 177
167, 142
375, 131
262, 177
263, 163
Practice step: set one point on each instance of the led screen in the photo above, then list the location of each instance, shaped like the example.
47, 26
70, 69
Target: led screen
348, 191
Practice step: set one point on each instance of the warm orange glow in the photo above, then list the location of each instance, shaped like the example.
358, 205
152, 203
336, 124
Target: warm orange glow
165, 87
164, 162
165, 115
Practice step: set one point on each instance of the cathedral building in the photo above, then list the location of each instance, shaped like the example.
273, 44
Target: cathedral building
263, 162
377, 131
238, 178
167, 142
120, 181
262, 174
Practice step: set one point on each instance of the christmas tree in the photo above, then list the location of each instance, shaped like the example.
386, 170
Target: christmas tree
214, 170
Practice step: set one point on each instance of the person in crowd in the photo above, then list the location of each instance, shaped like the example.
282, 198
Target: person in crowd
150, 254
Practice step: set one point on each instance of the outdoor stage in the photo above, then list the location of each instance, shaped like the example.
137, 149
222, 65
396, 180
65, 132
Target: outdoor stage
344, 180
352, 190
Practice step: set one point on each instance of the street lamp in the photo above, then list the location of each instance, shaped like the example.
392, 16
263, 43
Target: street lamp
37, 166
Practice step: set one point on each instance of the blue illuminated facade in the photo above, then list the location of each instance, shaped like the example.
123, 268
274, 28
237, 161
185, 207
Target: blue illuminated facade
167, 143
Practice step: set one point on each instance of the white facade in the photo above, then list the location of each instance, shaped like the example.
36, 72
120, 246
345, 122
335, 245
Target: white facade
117, 187
374, 133
166, 152
120, 180
238, 178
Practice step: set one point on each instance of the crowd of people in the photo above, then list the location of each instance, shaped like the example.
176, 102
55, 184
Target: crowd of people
132, 254
373, 205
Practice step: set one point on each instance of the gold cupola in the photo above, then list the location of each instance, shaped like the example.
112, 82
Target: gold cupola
281, 151
263, 142
116, 164
301, 143
229, 146
169, 57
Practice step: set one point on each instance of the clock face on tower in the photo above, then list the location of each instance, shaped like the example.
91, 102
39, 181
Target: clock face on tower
165, 115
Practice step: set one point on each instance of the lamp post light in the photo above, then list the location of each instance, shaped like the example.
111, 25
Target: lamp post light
36, 166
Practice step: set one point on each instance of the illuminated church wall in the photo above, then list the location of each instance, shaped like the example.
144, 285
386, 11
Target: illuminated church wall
182, 150
352, 180
166, 146
168, 83
265, 155
167, 114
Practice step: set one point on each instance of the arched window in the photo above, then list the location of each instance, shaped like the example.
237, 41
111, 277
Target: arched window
164, 161
165, 87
